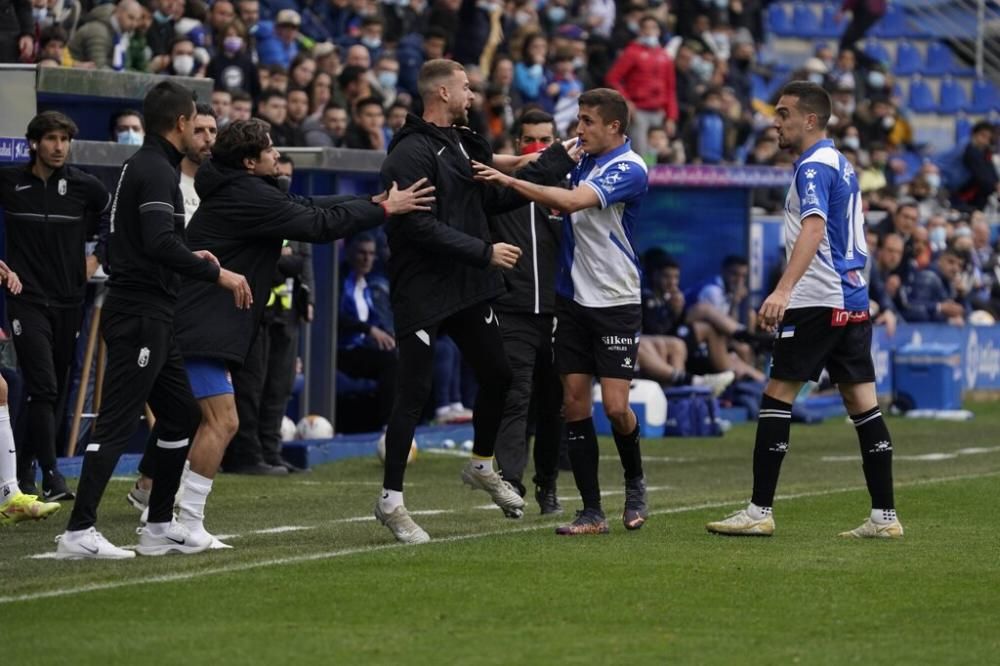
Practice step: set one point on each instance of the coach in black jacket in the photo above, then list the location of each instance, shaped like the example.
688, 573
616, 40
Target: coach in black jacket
526, 312
244, 219
443, 275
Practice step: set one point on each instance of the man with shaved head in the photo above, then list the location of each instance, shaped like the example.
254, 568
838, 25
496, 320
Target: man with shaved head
103, 39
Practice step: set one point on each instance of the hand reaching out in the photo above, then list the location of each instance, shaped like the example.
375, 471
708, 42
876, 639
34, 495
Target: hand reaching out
417, 196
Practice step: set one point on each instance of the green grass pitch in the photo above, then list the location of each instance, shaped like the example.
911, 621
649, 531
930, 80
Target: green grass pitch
313, 580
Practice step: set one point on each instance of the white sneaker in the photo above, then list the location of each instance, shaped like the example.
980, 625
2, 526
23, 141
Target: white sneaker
88, 544
503, 494
175, 539
873, 530
718, 381
743, 524
401, 525
198, 531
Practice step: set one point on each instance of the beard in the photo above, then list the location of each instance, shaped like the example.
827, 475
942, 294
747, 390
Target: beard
460, 117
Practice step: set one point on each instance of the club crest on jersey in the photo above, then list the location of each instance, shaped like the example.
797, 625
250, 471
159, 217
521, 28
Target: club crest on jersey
810, 173
62, 187
143, 357
16, 326
609, 181
623, 166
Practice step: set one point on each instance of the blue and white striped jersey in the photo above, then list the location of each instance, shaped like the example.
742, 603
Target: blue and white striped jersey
825, 184
598, 262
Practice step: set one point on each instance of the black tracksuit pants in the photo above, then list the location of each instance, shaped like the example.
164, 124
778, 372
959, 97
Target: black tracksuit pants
476, 331
527, 339
45, 341
144, 366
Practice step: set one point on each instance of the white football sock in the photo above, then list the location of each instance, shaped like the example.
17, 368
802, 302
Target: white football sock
8, 458
482, 466
758, 512
197, 488
390, 499
883, 516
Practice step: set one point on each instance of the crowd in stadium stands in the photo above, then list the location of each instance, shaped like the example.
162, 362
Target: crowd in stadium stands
343, 73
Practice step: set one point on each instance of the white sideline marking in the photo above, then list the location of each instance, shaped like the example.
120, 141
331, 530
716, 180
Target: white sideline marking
666, 459
604, 493
312, 557
923, 457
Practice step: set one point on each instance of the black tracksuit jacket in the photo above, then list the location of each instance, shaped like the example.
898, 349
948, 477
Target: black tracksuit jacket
146, 246
48, 223
243, 220
531, 284
440, 259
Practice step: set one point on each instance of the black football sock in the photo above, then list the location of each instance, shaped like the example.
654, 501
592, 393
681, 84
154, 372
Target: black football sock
773, 425
876, 457
584, 453
628, 452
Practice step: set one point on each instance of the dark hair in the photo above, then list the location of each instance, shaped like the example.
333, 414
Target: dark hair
433, 71
399, 105
349, 75
204, 110
240, 96
267, 94
812, 98
367, 101
275, 69
371, 20
532, 117
240, 140
165, 103
359, 238
906, 203
438, 33
884, 237
300, 58
982, 126
334, 105
526, 44
52, 33
610, 106
734, 260
121, 114
285, 159
45, 122
180, 39
295, 89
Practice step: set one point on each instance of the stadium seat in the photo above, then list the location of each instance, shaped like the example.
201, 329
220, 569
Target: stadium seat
778, 21
952, 96
963, 129
921, 97
829, 25
877, 51
984, 97
893, 24
939, 60
908, 60
805, 23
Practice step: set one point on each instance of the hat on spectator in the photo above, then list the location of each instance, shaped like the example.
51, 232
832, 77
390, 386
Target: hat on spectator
323, 49
288, 17
816, 66
742, 36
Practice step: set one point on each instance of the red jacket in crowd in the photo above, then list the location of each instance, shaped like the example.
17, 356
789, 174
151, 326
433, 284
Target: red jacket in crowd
645, 76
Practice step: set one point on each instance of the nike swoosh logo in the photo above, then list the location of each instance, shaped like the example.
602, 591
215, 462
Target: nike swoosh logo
439, 152
18, 188
179, 542
489, 319
92, 551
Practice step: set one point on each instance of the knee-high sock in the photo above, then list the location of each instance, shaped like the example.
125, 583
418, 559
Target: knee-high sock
8, 457
773, 425
584, 454
876, 456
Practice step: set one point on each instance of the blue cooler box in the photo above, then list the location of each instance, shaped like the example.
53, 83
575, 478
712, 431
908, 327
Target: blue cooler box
928, 376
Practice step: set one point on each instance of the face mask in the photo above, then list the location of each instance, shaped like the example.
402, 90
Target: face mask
183, 64
633, 26
649, 41
40, 14
702, 68
130, 138
876, 80
160, 17
852, 142
533, 147
556, 14
934, 180
387, 80
937, 237
522, 18
232, 44
816, 78
579, 62
284, 183
535, 70
371, 42
888, 122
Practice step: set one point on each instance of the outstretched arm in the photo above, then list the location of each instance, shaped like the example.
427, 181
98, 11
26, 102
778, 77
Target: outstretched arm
561, 199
